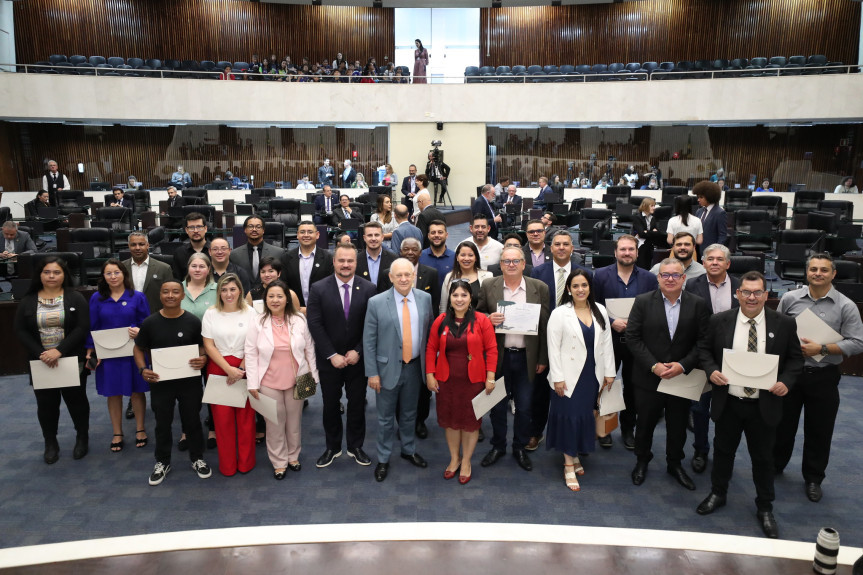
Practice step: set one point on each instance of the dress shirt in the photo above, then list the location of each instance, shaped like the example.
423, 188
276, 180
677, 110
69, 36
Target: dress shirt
416, 336
567, 269
328, 204
706, 213
443, 263
374, 265
740, 343
413, 184
341, 284
720, 294
139, 273
837, 311
672, 313
519, 295
306, 263
489, 254
537, 259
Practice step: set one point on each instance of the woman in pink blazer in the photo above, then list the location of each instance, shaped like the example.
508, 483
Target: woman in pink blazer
278, 349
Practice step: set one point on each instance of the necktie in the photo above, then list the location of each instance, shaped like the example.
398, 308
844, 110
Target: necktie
346, 212
752, 345
256, 261
328, 205
560, 285
347, 300
407, 339
509, 199
703, 215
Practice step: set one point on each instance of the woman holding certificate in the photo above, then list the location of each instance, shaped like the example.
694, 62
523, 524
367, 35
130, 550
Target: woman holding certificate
224, 330
116, 305
580, 356
461, 356
52, 324
279, 350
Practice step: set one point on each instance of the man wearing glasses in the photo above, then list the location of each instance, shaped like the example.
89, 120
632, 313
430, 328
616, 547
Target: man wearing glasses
220, 257
520, 357
535, 251
739, 410
196, 229
306, 264
249, 255
662, 333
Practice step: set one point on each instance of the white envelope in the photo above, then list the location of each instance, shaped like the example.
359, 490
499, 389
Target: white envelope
619, 308
816, 329
611, 400
258, 304
483, 403
688, 385
173, 362
220, 393
266, 406
113, 343
747, 369
64, 375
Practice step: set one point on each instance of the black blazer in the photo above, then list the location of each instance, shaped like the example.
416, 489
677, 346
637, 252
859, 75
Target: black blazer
426, 217
339, 215
406, 186
321, 268
652, 235
427, 281
76, 326
326, 317
699, 287
387, 258
781, 340
649, 341
715, 227
483, 206
528, 256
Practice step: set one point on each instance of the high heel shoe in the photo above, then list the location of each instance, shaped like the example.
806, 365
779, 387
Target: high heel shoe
569, 477
117, 446
447, 474
579, 470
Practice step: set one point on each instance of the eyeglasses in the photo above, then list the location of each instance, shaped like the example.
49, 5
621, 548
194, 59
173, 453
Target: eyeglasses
218, 250
747, 293
196, 228
668, 276
511, 262
533, 232
461, 282
255, 227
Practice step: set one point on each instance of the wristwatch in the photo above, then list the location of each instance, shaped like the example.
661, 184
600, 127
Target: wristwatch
141, 370
824, 350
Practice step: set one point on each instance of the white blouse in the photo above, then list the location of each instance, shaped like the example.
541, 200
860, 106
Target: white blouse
693, 226
228, 329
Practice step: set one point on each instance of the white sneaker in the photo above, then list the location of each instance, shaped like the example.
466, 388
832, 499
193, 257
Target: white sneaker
202, 469
159, 473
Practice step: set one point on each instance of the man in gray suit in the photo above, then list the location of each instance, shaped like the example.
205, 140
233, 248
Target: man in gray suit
396, 332
148, 274
16, 242
249, 255
405, 229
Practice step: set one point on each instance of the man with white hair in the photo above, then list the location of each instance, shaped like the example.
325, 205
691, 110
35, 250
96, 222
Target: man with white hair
349, 175
428, 214
54, 181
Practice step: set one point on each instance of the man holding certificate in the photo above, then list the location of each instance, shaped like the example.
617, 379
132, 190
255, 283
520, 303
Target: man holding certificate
834, 317
748, 401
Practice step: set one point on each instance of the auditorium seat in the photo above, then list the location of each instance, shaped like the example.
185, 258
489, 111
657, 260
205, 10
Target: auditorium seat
835, 70
599, 68
241, 66
813, 70
633, 67
582, 69
615, 67
550, 68
519, 70
154, 63
77, 59
798, 60
135, 62
65, 68
739, 62
759, 61
85, 69
500, 70
116, 61
221, 64
771, 70
533, 69
96, 60
751, 71
57, 58
539, 77
817, 59
791, 70
720, 64
567, 69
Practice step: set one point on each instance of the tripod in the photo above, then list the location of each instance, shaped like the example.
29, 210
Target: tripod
444, 194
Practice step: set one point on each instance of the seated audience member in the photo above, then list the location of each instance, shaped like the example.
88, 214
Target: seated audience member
719, 175
544, 188
227, 75
132, 183
16, 241
31, 208
120, 199
181, 177
360, 182
325, 204
846, 186
652, 184
305, 184
765, 186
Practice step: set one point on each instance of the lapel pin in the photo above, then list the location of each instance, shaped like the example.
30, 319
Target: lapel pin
317, 265
155, 277
123, 303
179, 334
365, 273
71, 309
770, 334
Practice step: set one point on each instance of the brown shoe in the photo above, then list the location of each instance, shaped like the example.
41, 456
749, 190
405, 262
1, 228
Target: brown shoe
534, 443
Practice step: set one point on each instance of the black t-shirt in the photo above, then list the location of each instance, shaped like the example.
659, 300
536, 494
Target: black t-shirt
158, 331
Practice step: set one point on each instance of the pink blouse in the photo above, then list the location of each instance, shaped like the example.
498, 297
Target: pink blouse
281, 374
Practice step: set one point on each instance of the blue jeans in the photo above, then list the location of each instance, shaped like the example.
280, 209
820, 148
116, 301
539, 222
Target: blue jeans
520, 388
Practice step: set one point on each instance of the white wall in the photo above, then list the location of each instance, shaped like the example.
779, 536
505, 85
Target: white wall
7, 35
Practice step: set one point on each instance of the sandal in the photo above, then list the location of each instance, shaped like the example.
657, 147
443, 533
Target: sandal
261, 439
118, 446
569, 477
579, 470
139, 442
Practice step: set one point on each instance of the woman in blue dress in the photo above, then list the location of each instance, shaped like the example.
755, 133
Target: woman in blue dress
116, 304
580, 355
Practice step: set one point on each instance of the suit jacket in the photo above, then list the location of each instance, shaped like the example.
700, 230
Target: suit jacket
241, 257
715, 226
332, 333
386, 260
179, 202
516, 200
491, 292
540, 198
528, 256
76, 325
260, 346
320, 203
157, 274
652, 234
31, 208
781, 340
426, 217
699, 287
339, 215
402, 231
444, 171
23, 243
568, 352
406, 186
321, 268
545, 274
382, 336
350, 179
482, 206
649, 341
427, 281
325, 175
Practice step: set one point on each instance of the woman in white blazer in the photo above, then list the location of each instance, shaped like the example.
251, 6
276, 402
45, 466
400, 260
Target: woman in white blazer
278, 349
580, 356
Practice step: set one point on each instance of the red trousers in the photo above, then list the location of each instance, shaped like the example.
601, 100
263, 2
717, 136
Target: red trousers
235, 430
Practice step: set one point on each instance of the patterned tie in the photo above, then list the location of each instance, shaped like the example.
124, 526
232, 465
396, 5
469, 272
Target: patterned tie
407, 339
347, 300
256, 261
559, 286
751, 346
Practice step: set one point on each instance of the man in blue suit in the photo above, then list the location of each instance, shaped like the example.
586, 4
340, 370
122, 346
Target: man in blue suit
325, 205
544, 188
394, 342
404, 229
714, 220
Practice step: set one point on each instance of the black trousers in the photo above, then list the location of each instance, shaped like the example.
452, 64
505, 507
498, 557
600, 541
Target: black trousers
539, 405
622, 355
742, 416
353, 379
186, 394
433, 186
48, 408
650, 405
817, 390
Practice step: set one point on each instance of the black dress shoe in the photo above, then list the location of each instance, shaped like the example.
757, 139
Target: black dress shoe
605, 442
327, 457
481, 435
52, 451
416, 459
211, 443
82, 447
710, 504
183, 444
492, 457
522, 459
813, 492
279, 475
699, 462
422, 431
295, 466
130, 413
639, 473
768, 524
629, 440
381, 470
359, 456
679, 474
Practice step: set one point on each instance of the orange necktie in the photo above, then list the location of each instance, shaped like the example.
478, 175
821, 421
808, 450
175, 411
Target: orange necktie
407, 339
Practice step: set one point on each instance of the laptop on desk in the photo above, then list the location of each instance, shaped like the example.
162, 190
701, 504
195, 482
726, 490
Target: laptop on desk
48, 212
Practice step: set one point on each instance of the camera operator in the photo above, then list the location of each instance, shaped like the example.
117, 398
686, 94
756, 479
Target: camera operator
437, 172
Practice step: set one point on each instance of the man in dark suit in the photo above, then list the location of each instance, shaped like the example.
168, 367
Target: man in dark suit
249, 255
622, 280
714, 220
174, 203
485, 205
737, 409
511, 241
428, 214
409, 188
374, 260
520, 357
511, 201
345, 212
349, 175
719, 290
325, 204
662, 333
196, 230
147, 273
536, 252
326, 174
307, 263
336, 312
544, 189
120, 199
16, 241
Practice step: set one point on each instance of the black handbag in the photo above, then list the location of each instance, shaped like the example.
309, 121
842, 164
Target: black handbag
306, 386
